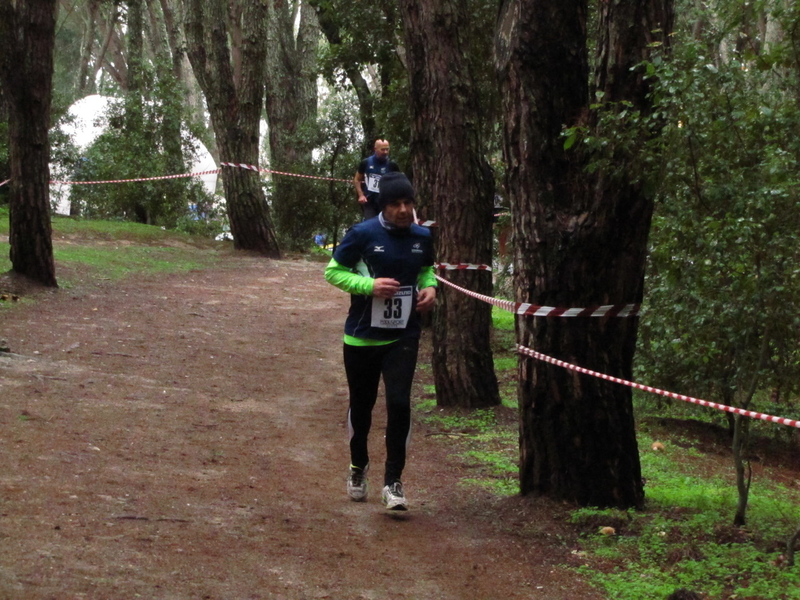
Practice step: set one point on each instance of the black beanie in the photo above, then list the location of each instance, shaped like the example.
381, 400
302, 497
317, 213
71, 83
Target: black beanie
393, 186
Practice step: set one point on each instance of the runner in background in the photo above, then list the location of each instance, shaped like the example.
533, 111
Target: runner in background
386, 264
369, 174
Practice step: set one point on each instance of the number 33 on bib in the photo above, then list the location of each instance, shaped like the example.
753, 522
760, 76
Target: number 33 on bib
393, 313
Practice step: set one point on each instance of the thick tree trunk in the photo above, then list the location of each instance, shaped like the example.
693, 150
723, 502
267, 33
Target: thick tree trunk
27, 38
451, 172
235, 109
579, 241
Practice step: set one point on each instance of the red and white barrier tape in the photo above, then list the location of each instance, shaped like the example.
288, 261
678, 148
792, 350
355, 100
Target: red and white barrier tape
624, 310
260, 170
4, 182
462, 267
196, 174
215, 171
532, 310
731, 409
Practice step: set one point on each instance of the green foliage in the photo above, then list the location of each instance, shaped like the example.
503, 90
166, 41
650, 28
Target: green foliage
723, 278
64, 155
367, 37
67, 57
305, 207
141, 148
338, 155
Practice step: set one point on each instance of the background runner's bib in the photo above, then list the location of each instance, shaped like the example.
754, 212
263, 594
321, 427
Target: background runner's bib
393, 313
372, 180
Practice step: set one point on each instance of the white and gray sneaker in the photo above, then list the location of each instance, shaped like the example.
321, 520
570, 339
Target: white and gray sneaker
357, 484
393, 497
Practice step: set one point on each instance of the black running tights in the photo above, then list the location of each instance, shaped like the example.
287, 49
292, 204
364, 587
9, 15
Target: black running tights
364, 366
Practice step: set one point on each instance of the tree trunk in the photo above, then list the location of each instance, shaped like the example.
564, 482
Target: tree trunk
27, 38
168, 66
85, 83
742, 467
580, 240
450, 170
291, 104
235, 109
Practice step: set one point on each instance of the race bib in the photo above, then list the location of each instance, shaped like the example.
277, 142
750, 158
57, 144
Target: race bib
393, 313
372, 182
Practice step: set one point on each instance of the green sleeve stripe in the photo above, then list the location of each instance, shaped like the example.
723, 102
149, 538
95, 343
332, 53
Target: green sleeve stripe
354, 341
426, 278
344, 279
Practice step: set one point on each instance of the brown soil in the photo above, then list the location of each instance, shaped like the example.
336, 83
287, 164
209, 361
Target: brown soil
184, 436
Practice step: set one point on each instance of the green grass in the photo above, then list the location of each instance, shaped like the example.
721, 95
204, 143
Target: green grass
685, 537
505, 363
118, 262
112, 250
502, 320
489, 449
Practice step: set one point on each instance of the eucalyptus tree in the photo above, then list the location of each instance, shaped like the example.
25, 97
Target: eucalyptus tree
27, 37
232, 77
291, 107
94, 35
339, 145
4, 166
145, 134
364, 49
451, 172
723, 285
580, 237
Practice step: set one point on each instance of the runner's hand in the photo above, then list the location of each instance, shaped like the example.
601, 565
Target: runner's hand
385, 287
362, 199
426, 299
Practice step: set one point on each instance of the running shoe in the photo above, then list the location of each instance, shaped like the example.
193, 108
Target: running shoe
357, 484
393, 497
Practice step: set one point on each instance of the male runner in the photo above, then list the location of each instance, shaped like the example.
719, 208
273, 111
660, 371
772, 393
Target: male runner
386, 264
369, 173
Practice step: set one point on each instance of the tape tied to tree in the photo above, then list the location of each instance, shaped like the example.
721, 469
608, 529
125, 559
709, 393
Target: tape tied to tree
722, 407
534, 310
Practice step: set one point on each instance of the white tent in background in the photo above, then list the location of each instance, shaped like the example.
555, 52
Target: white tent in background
89, 122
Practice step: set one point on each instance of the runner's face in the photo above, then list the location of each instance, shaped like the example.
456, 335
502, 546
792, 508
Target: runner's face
400, 213
382, 150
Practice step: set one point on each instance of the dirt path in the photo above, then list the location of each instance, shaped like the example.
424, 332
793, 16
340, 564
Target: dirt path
183, 437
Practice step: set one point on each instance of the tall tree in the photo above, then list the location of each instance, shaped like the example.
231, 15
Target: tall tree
27, 38
234, 92
451, 172
580, 238
4, 168
365, 48
291, 104
332, 22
